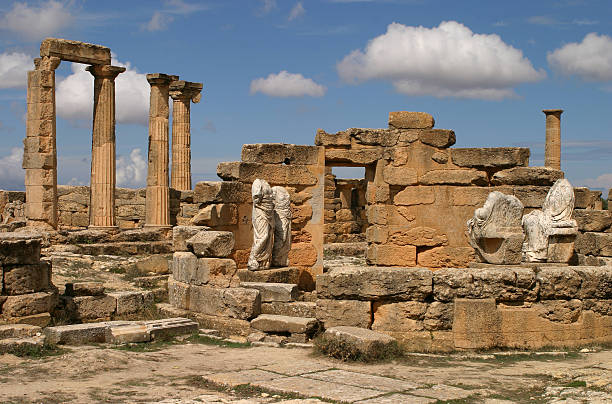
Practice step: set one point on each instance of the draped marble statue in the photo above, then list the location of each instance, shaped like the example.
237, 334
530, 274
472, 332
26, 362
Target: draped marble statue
263, 226
282, 227
550, 232
495, 231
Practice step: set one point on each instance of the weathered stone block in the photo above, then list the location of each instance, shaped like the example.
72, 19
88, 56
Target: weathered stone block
454, 177
441, 138
291, 309
157, 264
178, 293
587, 199
222, 214
375, 283
273, 173
362, 156
323, 138
592, 243
370, 344
400, 175
128, 302
445, 257
19, 248
596, 282
274, 275
28, 304
180, 234
211, 243
400, 316
419, 236
593, 220
392, 255
558, 283
77, 334
497, 157
527, 176
354, 313
374, 137
221, 192
273, 292
415, 196
410, 120
238, 303
280, 153
75, 51
92, 307
281, 324
21, 279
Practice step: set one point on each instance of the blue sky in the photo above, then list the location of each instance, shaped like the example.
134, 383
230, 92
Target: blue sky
276, 70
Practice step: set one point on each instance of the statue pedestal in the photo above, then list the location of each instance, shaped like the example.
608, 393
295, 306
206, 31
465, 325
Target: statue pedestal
272, 275
561, 247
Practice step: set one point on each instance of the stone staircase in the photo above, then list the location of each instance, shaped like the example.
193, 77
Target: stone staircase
143, 241
285, 315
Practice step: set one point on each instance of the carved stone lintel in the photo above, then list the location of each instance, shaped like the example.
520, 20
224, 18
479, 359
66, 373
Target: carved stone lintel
282, 227
495, 230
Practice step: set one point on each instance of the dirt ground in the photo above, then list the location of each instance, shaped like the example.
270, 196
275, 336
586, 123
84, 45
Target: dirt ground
194, 372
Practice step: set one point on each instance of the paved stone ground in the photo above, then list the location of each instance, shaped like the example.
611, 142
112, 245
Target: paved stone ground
199, 373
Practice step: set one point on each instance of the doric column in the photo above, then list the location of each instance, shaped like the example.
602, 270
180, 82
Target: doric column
102, 186
552, 157
157, 204
182, 93
39, 151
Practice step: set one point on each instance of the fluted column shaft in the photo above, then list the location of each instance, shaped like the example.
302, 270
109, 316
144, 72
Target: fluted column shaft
182, 93
102, 186
552, 156
157, 204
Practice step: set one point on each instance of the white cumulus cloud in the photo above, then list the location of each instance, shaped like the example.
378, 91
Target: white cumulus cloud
131, 171
74, 95
12, 176
285, 84
13, 69
297, 11
36, 22
590, 59
158, 22
445, 61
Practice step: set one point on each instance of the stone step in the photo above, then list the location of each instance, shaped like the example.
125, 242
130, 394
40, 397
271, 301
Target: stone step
18, 331
291, 309
275, 275
12, 344
169, 327
125, 248
274, 292
284, 324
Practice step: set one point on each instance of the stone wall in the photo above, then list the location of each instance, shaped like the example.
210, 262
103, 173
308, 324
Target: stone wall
594, 242
474, 308
345, 219
420, 192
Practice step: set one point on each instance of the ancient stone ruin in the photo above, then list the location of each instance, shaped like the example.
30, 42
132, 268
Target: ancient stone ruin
451, 248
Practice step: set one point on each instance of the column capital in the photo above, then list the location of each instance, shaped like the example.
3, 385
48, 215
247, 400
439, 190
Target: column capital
47, 63
105, 71
186, 90
160, 79
557, 112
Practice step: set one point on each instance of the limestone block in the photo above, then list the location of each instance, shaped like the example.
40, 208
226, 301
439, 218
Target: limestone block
410, 120
291, 309
596, 282
21, 279
374, 137
560, 311
344, 215
361, 156
587, 199
273, 292
476, 324
501, 283
167, 328
454, 177
593, 220
75, 51
400, 175
603, 307
222, 214
28, 304
128, 334
281, 324
392, 255
303, 255
220, 272
273, 275
211, 243
180, 234
157, 264
19, 248
92, 307
240, 303
88, 236
185, 269
439, 316
143, 234
128, 302
558, 283
497, 157
280, 153
18, 331
470, 196
400, 316
178, 293
221, 192
441, 138
531, 196
375, 283
39, 160
527, 176
368, 343
415, 196
377, 193
377, 234
419, 236
323, 138
273, 173
352, 313
446, 257
77, 334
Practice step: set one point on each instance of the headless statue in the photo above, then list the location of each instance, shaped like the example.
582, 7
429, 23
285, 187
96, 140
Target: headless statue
263, 226
282, 227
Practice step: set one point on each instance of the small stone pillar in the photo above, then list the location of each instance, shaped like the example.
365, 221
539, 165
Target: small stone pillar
552, 157
157, 204
102, 186
182, 93
39, 151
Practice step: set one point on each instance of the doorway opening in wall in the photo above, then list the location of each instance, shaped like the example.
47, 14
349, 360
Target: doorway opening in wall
345, 216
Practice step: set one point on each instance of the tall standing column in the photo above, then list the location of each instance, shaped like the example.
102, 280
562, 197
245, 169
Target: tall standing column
102, 186
157, 204
182, 93
39, 151
552, 157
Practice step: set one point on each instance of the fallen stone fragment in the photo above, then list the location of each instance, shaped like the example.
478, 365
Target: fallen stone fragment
211, 243
361, 341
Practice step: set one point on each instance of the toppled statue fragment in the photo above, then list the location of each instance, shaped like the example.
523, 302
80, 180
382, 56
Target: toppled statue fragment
263, 226
282, 227
495, 231
550, 232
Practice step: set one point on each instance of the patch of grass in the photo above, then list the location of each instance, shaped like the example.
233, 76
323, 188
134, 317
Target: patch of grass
347, 352
194, 338
576, 383
36, 351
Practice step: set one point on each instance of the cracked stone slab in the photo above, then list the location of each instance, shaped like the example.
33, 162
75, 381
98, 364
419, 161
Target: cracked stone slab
295, 369
398, 398
443, 392
385, 384
241, 377
317, 388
